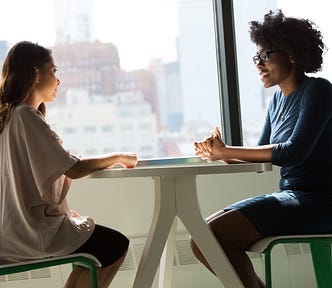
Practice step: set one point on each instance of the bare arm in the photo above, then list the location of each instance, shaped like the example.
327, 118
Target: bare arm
213, 148
88, 165
248, 154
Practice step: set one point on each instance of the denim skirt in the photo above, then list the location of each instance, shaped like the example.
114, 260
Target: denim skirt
288, 212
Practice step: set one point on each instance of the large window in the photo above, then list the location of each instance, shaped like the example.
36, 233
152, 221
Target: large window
145, 76
135, 75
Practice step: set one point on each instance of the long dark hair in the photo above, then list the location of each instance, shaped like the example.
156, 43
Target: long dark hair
19, 72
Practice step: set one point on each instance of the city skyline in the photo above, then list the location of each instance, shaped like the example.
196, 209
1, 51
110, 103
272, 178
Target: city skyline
129, 29
188, 29
41, 27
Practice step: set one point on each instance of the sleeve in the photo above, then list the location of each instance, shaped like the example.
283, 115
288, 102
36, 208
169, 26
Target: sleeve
48, 160
264, 138
315, 112
58, 190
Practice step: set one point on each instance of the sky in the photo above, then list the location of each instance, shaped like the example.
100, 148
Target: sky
140, 29
23, 20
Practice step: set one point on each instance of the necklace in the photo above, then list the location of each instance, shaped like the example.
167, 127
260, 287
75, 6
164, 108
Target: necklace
282, 117
284, 105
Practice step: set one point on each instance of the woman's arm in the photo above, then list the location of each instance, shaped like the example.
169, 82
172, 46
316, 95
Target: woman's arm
247, 154
213, 148
88, 165
315, 114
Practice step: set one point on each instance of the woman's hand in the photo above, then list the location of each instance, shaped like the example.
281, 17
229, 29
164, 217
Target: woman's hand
74, 213
212, 147
128, 160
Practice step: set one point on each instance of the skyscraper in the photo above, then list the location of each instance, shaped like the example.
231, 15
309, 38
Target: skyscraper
73, 21
197, 58
4, 47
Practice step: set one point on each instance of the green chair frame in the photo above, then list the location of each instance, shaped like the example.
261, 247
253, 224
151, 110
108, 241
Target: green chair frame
320, 246
82, 259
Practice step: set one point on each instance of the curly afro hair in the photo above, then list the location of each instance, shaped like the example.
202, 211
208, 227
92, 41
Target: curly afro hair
299, 38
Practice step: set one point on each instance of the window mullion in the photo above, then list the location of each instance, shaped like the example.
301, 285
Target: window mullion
227, 72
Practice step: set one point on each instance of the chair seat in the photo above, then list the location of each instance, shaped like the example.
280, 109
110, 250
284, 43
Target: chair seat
261, 245
320, 246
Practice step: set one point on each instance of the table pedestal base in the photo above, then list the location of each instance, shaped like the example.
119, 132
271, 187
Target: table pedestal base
177, 196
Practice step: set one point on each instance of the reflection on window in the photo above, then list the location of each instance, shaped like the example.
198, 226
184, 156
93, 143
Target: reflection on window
125, 128
89, 129
144, 126
69, 130
107, 128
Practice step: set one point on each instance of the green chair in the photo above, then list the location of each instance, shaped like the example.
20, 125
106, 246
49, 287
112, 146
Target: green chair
82, 259
320, 246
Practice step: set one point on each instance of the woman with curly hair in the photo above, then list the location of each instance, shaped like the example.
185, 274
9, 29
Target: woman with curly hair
297, 136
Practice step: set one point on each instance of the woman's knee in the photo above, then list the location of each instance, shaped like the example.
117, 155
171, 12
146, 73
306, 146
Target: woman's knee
194, 247
234, 229
122, 245
117, 251
192, 242
122, 252
125, 245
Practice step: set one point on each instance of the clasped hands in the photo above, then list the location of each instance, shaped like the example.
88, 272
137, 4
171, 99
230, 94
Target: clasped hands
211, 148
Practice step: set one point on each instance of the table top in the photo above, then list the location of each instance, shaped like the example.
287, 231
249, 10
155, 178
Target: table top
179, 166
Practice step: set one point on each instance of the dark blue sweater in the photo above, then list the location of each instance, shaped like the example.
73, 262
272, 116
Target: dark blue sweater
301, 125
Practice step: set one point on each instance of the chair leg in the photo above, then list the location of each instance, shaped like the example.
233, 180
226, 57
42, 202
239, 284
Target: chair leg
321, 258
268, 270
94, 277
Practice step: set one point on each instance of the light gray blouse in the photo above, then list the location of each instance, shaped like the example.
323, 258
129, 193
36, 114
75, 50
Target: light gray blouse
35, 220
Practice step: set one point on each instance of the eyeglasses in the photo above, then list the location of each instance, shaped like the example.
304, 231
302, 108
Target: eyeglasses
264, 56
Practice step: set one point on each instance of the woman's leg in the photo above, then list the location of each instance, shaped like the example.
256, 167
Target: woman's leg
110, 248
235, 234
80, 277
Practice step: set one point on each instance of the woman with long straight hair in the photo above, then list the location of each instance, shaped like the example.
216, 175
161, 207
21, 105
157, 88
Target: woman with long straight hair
36, 171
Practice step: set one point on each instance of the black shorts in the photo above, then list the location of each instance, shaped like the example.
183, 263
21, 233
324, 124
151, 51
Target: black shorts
106, 244
288, 212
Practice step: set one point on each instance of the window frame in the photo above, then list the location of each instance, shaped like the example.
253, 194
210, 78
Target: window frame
229, 96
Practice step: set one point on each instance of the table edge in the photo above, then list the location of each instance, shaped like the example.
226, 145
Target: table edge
175, 170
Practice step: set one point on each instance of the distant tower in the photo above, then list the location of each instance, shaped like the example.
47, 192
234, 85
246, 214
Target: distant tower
197, 60
4, 47
73, 21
